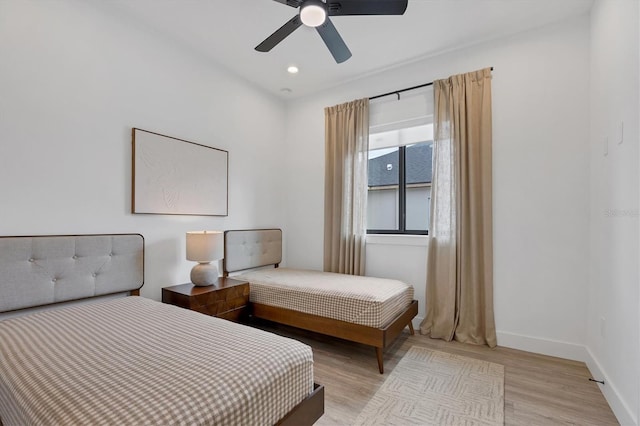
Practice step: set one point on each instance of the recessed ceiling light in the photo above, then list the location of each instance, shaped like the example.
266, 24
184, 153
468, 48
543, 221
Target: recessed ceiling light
286, 90
293, 69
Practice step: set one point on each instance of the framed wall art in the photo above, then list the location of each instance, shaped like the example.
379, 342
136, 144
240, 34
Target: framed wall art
174, 176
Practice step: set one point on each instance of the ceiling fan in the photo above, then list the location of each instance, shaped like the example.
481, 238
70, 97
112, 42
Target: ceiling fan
316, 13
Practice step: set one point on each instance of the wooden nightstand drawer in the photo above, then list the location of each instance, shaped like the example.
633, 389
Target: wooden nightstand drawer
228, 298
236, 315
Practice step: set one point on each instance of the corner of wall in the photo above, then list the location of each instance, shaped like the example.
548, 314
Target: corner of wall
622, 411
576, 352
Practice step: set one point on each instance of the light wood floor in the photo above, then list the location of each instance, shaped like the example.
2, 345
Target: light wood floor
539, 390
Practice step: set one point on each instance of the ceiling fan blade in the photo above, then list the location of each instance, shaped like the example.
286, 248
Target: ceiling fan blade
366, 7
334, 42
279, 35
292, 3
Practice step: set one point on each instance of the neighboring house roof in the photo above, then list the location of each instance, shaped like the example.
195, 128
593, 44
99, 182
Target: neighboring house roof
419, 166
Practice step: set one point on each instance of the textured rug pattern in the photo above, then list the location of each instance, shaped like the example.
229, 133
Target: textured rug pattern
429, 387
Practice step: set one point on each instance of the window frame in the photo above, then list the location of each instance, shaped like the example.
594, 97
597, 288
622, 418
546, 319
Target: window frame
402, 201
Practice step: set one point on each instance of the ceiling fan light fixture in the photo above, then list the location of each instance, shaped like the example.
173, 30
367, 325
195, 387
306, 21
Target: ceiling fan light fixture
316, 14
313, 13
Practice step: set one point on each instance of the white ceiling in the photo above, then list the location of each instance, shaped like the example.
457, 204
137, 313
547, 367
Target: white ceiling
226, 31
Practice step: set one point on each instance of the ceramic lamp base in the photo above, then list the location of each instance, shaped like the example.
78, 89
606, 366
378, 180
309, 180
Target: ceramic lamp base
204, 274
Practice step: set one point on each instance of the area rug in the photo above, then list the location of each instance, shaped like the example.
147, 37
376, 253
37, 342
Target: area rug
430, 387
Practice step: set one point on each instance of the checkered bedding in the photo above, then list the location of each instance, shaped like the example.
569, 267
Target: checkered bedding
373, 302
134, 361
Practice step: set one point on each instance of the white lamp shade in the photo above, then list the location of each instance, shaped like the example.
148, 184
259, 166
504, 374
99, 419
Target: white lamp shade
205, 246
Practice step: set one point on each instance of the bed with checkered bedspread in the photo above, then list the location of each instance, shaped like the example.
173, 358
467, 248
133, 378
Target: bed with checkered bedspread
129, 360
367, 310
136, 361
372, 302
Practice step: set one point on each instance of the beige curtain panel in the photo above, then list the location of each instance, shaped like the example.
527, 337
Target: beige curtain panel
345, 186
460, 253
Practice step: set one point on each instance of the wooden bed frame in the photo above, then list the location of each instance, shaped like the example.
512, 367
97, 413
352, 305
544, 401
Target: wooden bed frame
307, 412
379, 338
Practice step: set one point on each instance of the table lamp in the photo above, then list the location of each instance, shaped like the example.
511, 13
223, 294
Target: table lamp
205, 247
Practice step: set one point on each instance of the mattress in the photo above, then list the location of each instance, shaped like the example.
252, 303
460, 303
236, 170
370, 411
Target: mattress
372, 302
137, 361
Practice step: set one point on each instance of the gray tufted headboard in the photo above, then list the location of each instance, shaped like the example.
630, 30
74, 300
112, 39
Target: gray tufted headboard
251, 248
41, 270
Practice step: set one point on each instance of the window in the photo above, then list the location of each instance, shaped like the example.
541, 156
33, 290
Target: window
399, 195
400, 166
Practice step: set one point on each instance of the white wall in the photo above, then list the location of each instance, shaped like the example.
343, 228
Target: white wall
75, 77
400, 257
613, 315
74, 80
541, 173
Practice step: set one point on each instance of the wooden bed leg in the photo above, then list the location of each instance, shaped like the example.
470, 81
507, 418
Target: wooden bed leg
411, 328
380, 360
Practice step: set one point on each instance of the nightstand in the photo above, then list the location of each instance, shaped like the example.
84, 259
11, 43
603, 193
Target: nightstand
227, 298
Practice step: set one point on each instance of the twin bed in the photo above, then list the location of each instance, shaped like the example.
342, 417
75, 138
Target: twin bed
130, 360
372, 311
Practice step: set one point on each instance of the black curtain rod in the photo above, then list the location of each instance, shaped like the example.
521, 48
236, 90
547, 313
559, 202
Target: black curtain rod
397, 92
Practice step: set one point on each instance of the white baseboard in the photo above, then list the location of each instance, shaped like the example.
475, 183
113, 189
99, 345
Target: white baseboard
575, 352
572, 351
534, 344
416, 323
623, 413
542, 346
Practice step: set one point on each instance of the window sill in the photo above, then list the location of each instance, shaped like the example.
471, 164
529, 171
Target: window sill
398, 239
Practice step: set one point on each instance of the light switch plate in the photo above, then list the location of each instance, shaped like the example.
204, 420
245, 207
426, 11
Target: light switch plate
620, 133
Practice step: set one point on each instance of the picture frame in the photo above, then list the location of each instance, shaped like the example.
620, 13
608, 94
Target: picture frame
176, 177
